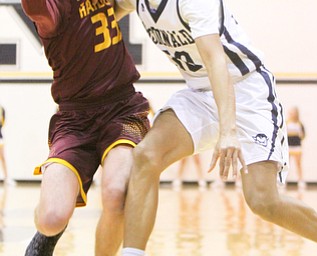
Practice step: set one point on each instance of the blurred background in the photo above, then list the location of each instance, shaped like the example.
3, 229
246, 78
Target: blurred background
283, 30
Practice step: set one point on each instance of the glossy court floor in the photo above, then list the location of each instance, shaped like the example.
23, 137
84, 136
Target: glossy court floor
190, 222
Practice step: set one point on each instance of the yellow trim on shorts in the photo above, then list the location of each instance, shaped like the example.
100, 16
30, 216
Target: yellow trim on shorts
114, 144
37, 171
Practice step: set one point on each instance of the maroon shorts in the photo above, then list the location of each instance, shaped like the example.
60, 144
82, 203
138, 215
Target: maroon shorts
81, 138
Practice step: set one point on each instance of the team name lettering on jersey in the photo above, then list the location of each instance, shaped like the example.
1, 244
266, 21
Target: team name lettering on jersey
87, 7
170, 38
108, 27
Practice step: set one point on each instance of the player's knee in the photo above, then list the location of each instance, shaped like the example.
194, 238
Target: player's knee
146, 159
113, 200
51, 222
262, 206
142, 155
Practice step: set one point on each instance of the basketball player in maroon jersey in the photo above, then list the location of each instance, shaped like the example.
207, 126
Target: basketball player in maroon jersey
99, 120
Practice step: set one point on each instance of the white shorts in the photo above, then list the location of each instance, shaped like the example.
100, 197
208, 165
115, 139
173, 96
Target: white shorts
260, 119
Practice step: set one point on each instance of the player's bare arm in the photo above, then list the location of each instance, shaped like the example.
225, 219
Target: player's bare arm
228, 149
38, 12
120, 12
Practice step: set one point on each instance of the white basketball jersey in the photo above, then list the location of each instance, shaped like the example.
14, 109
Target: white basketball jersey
174, 25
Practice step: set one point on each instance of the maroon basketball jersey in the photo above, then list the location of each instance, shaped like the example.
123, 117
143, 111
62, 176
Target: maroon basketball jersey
86, 51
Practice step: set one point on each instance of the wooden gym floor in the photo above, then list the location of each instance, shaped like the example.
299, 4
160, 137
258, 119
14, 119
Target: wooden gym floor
190, 222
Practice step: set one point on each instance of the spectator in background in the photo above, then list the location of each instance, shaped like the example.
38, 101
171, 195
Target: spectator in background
296, 133
177, 182
2, 157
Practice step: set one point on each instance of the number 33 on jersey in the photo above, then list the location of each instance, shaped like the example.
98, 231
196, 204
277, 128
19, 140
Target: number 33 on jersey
108, 32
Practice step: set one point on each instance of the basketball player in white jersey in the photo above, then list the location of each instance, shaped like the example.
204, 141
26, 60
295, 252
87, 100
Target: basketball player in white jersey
230, 99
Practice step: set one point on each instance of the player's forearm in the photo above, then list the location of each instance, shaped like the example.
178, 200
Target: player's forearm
119, 11
224, 96
211, 50
227, 112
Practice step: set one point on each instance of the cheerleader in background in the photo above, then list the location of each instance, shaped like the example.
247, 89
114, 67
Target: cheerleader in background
296, 133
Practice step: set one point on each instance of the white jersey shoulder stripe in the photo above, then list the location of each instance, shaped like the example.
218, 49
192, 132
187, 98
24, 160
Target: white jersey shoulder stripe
185, 24
173, 25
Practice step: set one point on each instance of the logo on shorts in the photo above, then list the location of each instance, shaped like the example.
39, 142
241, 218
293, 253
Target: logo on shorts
261, 139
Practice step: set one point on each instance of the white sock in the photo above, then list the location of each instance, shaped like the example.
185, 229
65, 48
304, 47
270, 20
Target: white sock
132, 252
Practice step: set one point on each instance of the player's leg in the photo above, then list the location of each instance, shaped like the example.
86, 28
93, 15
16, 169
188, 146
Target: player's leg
59, 190
166, 142
114, 179
42, 245
261, 193
127, 127
200, 173
177, 182
298, 162
3, 162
